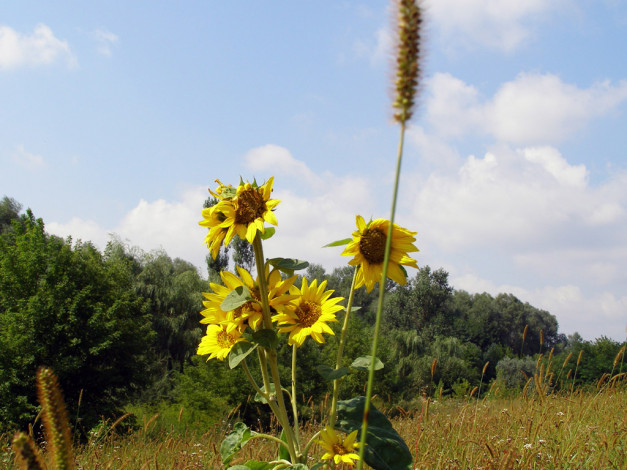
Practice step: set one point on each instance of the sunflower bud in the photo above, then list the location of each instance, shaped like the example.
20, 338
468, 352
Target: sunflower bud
407, 58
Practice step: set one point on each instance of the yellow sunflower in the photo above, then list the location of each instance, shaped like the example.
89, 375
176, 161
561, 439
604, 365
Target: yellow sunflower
308, 314
213, 220
242, 211
338, 449
368, 249
250, 313
218, 342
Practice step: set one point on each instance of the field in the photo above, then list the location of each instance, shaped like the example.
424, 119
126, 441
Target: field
580, 430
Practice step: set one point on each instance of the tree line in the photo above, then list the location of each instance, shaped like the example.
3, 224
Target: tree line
121, 327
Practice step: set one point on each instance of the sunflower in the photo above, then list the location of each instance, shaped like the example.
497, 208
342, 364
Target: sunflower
242, 211
308, 314
218, 342
368, 249
340, 450
250, 313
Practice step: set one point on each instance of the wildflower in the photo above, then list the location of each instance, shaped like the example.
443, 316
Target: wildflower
336, 448
218, 342
250, 313
528, 446
368, 249
309, 313
242, 211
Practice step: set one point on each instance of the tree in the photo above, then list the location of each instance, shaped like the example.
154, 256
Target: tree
66, 307
9, 211
173, 291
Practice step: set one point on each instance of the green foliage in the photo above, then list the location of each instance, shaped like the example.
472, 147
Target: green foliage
67, 307
514, 372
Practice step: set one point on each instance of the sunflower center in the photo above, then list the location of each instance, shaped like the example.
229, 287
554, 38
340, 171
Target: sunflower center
225, 340
250, 206
372, 245
339, 449
308, 313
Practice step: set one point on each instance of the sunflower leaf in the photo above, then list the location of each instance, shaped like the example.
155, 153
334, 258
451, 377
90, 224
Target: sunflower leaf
236, 298
266, 338
268, 232
260, 398
329, 373
288, 265
363, 363
385, 449
235, 441
283, 452
342, 242
239, 353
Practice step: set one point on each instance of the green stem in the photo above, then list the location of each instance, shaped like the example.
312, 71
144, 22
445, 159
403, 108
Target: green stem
311, 441
270, 354
382, 282
293, 397
340, 352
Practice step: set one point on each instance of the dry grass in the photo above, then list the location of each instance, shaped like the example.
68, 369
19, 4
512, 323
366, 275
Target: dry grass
581, 430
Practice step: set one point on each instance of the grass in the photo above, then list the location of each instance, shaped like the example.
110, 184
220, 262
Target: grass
582, 429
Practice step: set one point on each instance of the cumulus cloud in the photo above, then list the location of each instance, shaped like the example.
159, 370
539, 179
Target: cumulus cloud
499, 24
526, 215
315, 209
28, 160
531, 109
105, 40
39, 48
169, 225
378, 49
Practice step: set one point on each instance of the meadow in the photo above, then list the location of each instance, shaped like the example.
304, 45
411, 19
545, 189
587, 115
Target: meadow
585, 429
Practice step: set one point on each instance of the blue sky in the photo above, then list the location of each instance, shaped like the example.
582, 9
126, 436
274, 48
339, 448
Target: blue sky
117, 116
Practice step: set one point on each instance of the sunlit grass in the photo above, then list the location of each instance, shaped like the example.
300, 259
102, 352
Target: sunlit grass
562, 431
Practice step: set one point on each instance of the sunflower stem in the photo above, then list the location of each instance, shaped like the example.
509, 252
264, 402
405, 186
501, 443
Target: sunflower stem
270, 353
293, 397
382, 282
340, 352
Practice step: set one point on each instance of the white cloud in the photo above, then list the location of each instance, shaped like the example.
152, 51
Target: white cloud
377, 50
499, 24
532, 109
105, 40
40, 48
28, 160
279, 161
172, 226
516, 198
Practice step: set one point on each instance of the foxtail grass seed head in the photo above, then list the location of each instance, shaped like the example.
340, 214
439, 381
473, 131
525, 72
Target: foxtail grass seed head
54, 415
409, 20
27, 455
433, 366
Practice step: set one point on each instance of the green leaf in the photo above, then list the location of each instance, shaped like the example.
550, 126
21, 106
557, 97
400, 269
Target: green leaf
343, 242
236, 298
330, 373
288, 265
239, 353
317, 466
259, 398
385, 449
300, 466
234, 442
268, 232
284, 454
266, 338
363, 363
